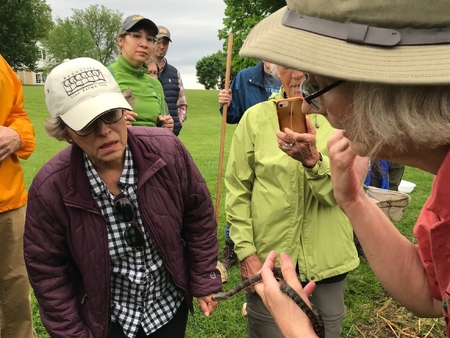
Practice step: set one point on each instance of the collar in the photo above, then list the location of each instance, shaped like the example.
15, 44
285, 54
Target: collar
127, 178
129, 68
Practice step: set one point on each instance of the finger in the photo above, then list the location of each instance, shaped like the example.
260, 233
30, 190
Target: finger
267, 271
309, 127
288, 270
309, 288
131, 113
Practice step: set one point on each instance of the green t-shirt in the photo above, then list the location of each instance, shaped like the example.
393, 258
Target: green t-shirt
147, 91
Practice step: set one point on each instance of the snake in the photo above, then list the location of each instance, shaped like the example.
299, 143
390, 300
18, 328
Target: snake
311, 312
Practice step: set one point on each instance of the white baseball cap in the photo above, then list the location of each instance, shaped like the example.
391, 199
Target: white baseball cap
80, 90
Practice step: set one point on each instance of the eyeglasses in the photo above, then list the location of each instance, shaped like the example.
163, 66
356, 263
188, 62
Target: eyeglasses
125, 213
163, 41
311, 92
153, 73
139, 36
109, 117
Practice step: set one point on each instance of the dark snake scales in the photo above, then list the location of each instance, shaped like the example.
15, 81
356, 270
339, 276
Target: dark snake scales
312, 313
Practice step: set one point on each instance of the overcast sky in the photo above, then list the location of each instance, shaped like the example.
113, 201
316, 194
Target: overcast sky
193, 26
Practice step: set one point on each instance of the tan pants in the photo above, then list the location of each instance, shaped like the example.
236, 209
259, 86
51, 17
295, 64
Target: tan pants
15, 302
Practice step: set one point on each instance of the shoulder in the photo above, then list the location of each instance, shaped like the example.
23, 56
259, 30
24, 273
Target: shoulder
154, 139
259, 115
56, 167
153, 81
169, 66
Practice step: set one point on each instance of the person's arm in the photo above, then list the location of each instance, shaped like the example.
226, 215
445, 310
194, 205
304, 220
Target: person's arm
181, 102
234, 110
17, 134
239, 179
290, 318
199, 231
393, 258
49, 265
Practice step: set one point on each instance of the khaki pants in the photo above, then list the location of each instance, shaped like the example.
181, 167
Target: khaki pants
15, 300
328, 299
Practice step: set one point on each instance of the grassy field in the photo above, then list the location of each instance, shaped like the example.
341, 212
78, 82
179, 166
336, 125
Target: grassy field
370, 312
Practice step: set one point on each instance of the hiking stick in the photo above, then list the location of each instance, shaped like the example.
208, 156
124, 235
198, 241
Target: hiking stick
224, 125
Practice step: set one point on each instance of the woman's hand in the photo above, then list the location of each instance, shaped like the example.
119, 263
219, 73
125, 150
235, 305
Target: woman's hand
207, 305
301, 147
225, 96
348, 170
290, 318
167, 121
129, 116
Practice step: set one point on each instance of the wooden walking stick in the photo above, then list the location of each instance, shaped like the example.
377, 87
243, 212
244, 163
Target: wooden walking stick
224, 125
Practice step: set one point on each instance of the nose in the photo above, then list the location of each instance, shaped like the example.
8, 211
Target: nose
297, 74
102, 128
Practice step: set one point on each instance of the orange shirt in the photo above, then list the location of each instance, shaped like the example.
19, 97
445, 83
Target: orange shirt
12, 115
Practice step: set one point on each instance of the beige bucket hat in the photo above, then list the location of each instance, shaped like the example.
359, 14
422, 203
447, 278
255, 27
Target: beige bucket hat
382, 41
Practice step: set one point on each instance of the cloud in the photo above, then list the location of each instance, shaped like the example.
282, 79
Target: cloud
193, 25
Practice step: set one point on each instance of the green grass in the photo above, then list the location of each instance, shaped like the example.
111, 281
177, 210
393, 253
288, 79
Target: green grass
201, 134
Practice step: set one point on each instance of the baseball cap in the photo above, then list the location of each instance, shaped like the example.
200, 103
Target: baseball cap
144, 23
380, 41
80, 90
163, 33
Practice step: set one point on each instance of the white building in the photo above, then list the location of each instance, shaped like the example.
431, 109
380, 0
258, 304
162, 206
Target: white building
36, 77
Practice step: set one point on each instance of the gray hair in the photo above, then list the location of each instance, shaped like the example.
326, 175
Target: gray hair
274, 70
398, 115
56, 128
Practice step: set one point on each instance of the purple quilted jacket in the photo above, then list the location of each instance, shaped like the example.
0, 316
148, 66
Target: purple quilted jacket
66, 243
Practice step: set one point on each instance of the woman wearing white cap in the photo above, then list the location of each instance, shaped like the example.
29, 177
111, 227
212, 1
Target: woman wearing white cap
120, 231
379, 70
136, 40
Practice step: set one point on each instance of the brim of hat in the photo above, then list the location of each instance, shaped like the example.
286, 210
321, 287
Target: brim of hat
270, 40
85, 112
159, 36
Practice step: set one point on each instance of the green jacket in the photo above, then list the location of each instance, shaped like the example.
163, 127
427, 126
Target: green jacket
147, 91
274, 203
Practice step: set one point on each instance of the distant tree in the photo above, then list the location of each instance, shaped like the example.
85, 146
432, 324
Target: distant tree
22, 24
240, 17
91, 32
210, 70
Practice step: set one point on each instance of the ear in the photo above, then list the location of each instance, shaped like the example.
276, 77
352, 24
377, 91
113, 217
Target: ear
120, 41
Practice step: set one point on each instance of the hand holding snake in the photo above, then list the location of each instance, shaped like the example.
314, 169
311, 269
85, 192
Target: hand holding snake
294, 314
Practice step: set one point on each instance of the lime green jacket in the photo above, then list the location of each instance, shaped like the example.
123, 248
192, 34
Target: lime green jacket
274, 203
147, 91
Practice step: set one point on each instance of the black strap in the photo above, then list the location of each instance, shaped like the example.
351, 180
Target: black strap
366, 34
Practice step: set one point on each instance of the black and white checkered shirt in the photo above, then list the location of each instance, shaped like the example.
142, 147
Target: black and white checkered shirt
142, 290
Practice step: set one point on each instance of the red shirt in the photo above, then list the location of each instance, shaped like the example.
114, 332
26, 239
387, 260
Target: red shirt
433, 233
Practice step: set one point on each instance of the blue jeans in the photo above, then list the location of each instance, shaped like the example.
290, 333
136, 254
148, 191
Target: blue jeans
227, 232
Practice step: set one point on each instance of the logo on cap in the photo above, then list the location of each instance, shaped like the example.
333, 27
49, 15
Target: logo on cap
137, 17
82, 80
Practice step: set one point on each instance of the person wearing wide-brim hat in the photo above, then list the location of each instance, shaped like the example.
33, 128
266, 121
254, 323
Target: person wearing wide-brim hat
136, 40
379, 70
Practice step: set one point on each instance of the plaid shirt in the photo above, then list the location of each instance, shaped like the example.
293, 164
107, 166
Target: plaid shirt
181, 102
142, 290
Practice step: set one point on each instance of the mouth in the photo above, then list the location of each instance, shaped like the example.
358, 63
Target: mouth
108, 145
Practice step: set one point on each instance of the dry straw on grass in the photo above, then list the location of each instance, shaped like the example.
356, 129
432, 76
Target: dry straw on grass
393, 320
